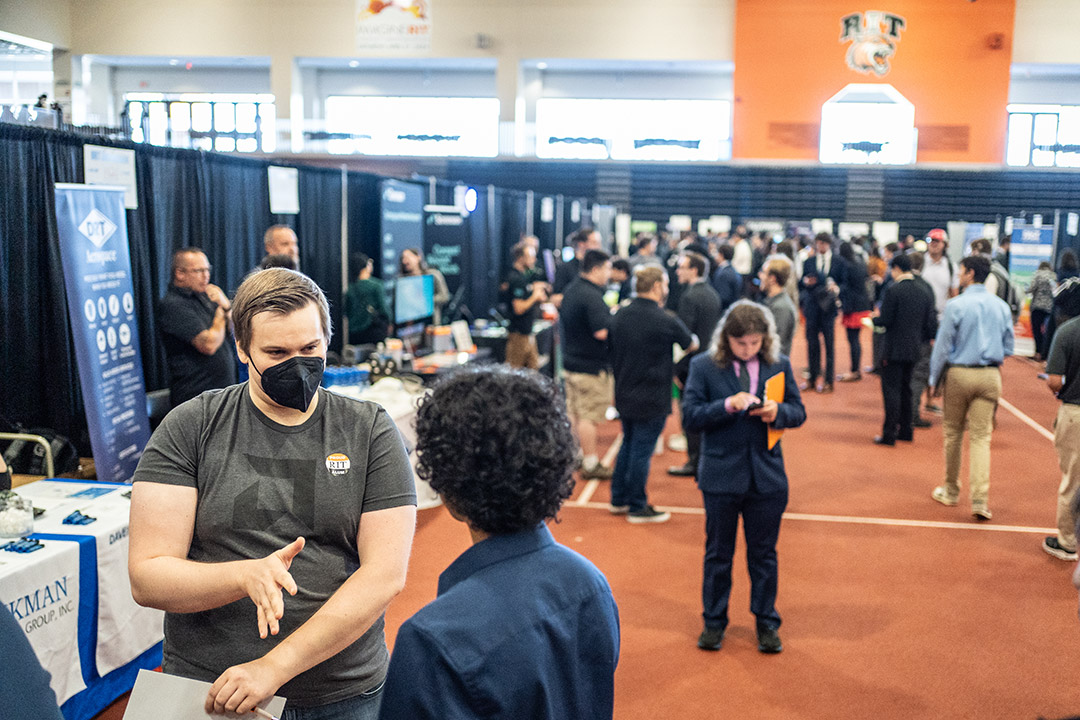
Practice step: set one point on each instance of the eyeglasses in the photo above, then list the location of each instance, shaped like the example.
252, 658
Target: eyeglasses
197, 271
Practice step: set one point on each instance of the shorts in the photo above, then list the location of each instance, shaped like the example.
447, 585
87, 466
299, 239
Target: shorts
588, 396
521, 351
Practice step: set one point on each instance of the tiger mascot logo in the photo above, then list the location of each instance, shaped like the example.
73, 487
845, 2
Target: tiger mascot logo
872, 55
873, 36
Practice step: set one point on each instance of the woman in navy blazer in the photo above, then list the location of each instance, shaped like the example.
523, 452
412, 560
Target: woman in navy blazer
737, 473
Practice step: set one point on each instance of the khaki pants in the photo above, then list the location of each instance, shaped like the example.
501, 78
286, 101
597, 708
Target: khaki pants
1067, 442
521, 351
971, 396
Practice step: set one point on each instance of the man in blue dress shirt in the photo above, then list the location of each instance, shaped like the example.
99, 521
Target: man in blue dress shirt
522, 627
975, 335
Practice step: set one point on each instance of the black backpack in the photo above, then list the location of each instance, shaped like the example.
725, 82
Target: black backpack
25, 457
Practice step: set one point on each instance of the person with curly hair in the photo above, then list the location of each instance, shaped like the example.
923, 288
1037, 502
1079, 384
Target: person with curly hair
522, 627
739, 473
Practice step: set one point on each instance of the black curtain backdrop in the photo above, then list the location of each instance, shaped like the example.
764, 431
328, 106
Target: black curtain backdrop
215, 202
319, 228
363, 218
186, 198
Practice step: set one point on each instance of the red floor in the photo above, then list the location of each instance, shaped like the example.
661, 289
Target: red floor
880, 620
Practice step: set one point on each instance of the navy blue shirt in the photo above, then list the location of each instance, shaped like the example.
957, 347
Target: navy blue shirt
25, 690
522, 628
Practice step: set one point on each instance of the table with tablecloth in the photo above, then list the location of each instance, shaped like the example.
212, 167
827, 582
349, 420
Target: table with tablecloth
73, 597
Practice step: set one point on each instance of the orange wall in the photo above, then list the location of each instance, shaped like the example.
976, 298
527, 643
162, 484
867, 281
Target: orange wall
789, 60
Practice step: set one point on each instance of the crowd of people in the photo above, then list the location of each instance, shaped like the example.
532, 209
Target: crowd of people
292, 509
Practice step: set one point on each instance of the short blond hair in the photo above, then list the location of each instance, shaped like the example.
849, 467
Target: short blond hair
646, 276
277, 290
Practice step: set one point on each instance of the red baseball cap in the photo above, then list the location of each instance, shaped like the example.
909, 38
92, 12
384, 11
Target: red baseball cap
937, 234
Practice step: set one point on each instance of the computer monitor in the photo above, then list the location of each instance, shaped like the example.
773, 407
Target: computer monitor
414, 298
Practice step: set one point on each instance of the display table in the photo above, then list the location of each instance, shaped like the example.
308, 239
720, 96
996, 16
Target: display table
73, 597
400, 401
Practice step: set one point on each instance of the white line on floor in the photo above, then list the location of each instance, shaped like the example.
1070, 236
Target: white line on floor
587, 493
1026, 419
859, 520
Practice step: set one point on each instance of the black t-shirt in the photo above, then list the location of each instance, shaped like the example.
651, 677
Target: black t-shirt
565, 274
583, 313
642, 334
183, 314
1065, 360
520, 287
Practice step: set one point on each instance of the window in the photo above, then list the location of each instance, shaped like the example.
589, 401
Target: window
624, 129
227, 123
427, 126
1043, 136
868, 124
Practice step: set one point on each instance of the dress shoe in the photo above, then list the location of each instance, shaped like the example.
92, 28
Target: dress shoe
882, 440
906, 437
768, 641
686, 470
711, 638
921, 423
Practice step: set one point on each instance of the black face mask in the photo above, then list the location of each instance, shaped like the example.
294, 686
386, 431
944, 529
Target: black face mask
294, 382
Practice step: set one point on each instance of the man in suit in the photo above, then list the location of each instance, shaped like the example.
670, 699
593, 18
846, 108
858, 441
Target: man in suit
699, 309
910, 320
726, 280
823, 275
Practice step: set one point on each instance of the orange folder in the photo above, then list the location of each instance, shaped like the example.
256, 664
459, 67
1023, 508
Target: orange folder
774, 390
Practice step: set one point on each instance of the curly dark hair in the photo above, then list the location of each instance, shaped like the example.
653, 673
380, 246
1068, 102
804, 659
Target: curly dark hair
495, 443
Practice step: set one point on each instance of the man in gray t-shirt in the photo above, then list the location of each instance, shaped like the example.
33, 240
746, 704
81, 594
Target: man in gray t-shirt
272, 520
773, 276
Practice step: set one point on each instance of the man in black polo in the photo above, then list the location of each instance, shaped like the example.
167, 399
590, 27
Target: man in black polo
699, 309
585, 320
581, 241
193, 319
642, 334
526, 292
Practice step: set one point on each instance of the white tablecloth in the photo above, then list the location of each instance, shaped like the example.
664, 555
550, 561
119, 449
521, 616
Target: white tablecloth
41, 589
124, 630
399, 400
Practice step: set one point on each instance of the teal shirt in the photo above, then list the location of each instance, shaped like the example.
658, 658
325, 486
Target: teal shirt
364, 300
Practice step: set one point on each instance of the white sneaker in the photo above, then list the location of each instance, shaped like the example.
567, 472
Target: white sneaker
677, 442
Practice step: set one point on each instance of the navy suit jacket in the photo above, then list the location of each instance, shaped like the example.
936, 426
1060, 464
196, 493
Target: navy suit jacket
734, 445
728, 284
807, 295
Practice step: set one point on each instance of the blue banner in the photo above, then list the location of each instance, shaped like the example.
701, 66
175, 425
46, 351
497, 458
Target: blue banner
101, 305
1030, 246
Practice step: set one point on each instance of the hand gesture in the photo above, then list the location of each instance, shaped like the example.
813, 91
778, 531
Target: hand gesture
218, 295
767, 411
240, 688
263, 580
742, 400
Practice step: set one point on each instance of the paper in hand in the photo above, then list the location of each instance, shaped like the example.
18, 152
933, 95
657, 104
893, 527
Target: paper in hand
158, 696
